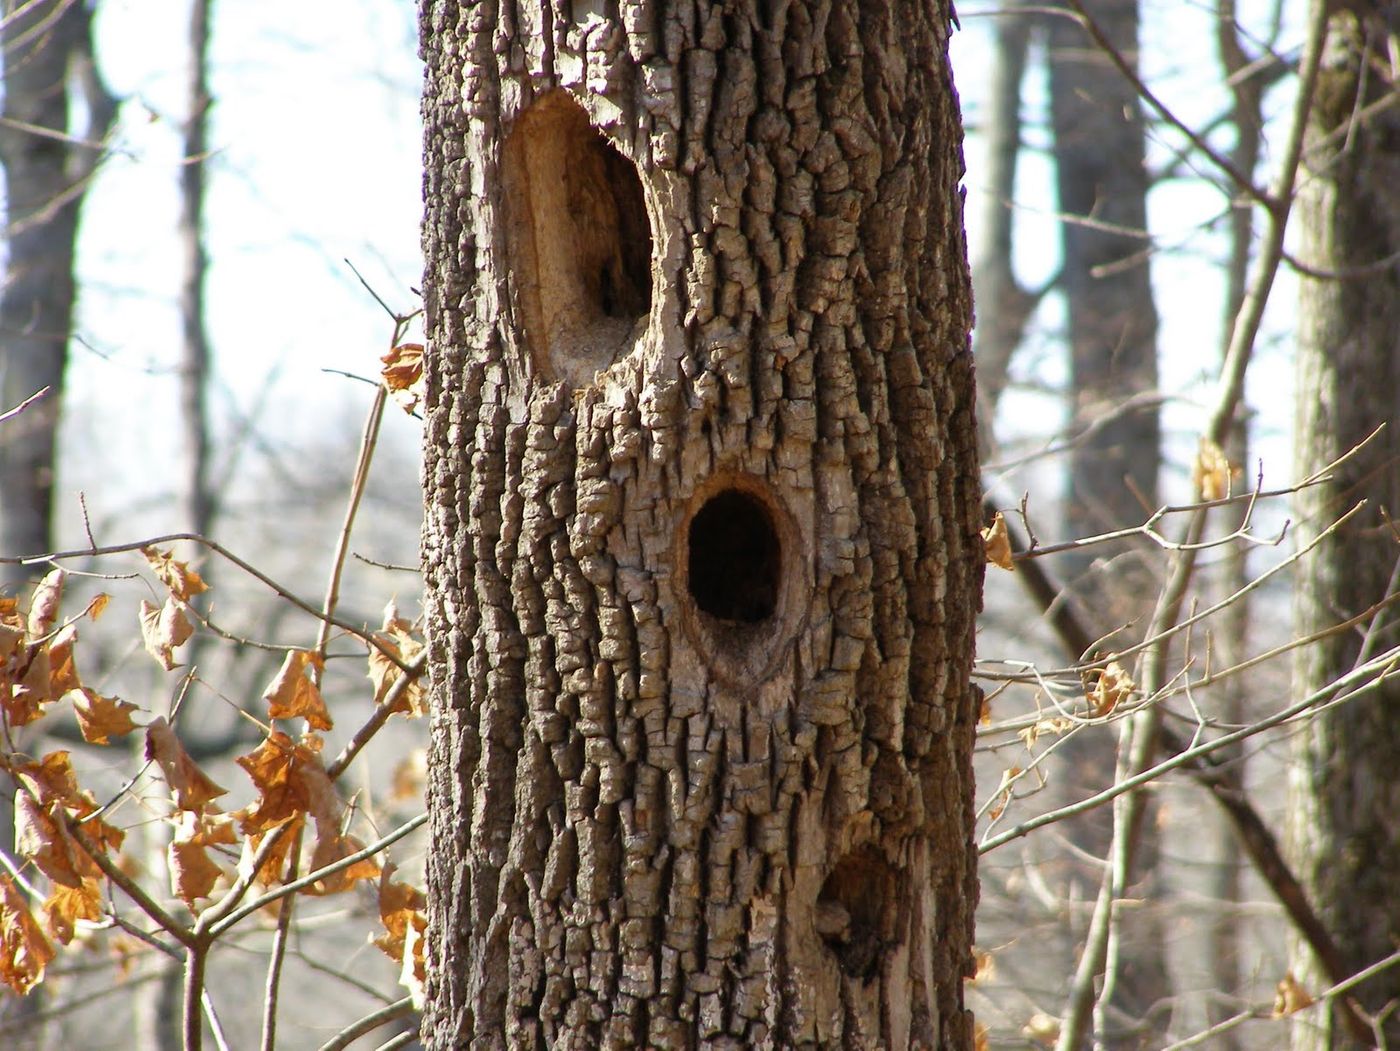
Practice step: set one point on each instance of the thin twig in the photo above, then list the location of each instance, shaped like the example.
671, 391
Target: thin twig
278, 953
130, 887
378, 717
368, 443
217, 548
10, 414
1382, 667
215, 1026
195, 958
285, 889
1131, 75
369, 1023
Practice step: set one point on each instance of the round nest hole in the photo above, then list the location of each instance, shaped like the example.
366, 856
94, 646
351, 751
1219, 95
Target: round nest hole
735, 559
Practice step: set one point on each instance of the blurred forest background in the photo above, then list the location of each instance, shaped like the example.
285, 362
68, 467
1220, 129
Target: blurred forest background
1184, 224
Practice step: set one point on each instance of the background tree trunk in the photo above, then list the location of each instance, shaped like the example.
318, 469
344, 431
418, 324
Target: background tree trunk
700, 625
198, 489
1346, 792
47, 48
1102, 182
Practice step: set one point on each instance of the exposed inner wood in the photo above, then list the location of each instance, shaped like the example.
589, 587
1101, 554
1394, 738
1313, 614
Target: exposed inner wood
579, 240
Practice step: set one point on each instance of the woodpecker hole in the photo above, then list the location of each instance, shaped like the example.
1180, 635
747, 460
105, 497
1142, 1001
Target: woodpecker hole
579, 239
855, 913
735, 558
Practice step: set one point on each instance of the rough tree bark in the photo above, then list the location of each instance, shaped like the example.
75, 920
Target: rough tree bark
1346, 791
47, 52
701, 529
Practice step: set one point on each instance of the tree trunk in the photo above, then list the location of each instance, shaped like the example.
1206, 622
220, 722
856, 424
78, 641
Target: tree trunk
46, 49
701, 537
47, 46
1346, 789
198, 489
1102, 185
1004, 307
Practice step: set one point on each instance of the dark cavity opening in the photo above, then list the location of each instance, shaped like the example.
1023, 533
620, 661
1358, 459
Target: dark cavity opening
579, 236
735, 558
855, 911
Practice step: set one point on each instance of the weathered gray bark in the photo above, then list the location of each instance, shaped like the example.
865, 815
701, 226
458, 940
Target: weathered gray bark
700, 624
1346, 789
47, 52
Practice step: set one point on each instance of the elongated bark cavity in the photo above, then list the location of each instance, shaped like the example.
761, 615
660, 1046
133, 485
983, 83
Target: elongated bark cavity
701, 535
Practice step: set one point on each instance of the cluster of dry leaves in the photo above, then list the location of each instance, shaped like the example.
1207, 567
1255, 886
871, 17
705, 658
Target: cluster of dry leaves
215, 858
1106, 687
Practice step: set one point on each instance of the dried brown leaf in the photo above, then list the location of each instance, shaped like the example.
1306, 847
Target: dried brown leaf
397, 637
192, 788
986, 965
26, 684
275, 863
1290, 996
101, 717
63, 673
13, 629
52, 783
1211, 473
400, 904
293, 694
331, 848
184, 583
403, 374
290, 781
997, 541
1113, 686
413, 975
44, 603
24, 951
1003, 792
193, 872
67, 905
39, 839
163, 630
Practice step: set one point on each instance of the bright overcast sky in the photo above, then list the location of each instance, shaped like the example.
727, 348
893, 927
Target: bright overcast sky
315, 160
